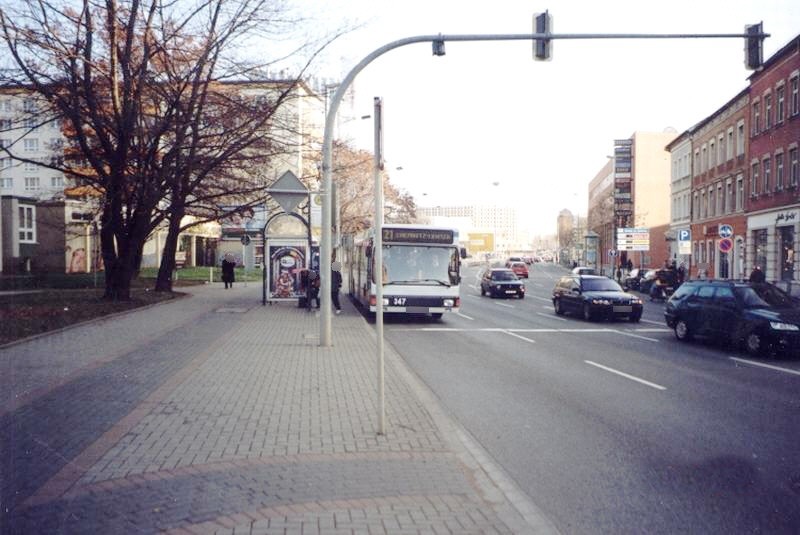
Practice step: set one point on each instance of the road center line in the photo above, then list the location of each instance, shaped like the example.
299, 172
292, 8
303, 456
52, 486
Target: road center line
515, 335
638, 336
625, 375
770, 366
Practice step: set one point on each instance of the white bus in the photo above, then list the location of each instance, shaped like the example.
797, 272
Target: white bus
421, 270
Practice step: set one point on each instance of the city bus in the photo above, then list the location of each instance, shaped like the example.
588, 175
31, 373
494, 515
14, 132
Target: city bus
421, 270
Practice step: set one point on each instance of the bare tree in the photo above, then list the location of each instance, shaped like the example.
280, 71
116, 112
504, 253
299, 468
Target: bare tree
152, 128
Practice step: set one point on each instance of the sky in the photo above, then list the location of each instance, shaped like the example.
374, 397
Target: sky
486, 124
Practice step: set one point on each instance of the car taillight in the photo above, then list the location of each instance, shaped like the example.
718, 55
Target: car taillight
372, 300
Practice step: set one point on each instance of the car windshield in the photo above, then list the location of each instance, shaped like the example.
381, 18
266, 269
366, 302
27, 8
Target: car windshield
763, 296
503, 276
600, 285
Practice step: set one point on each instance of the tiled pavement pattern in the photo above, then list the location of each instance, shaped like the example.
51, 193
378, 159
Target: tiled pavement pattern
233, 420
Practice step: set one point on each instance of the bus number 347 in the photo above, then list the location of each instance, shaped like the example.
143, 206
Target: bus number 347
398, 301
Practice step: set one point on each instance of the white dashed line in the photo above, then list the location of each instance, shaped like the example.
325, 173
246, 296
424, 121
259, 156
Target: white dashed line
625, 375
464, 316
770, 366
515, 335
638, 336
550, 316
504, 305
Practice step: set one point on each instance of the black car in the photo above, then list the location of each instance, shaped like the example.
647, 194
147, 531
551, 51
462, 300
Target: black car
501, 282
595, 296
759, 316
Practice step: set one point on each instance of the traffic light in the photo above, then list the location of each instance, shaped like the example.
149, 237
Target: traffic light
754, 46
542, 23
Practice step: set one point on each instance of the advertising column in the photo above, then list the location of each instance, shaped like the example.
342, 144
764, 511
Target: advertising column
623, 198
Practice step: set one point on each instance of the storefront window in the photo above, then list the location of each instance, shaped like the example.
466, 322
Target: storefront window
760, 241
787, 252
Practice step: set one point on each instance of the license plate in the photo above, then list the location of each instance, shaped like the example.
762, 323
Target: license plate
511, 291
623, 308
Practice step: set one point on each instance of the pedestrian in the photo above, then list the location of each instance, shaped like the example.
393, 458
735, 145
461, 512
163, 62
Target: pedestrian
629, 265
313, 288
681, 273
336, 285
228, 263
757, 275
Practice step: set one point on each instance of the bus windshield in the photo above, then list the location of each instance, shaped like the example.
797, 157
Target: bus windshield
420, 264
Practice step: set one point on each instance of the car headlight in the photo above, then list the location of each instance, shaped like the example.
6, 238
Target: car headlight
448, 303
779, 326
601, 302
636, 301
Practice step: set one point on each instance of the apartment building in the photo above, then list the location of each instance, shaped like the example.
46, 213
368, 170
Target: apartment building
773, 200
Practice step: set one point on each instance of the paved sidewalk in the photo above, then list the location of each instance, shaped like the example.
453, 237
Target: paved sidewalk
213, 414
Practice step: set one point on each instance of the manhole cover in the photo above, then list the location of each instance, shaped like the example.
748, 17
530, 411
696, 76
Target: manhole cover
231, 310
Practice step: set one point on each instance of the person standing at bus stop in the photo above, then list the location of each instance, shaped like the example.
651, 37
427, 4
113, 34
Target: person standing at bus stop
336, 285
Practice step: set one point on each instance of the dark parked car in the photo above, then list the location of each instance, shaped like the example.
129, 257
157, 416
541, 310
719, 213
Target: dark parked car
594, 296
758, 316
501, 282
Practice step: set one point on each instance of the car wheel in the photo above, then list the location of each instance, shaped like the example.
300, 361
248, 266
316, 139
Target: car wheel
635, 318
483, 291
754, 344
587, 312
558, 308
521, 296
682, 331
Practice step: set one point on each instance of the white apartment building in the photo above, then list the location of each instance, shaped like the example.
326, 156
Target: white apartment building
680, 194
502, 222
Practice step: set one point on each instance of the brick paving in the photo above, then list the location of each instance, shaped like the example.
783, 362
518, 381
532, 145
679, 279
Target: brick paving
213, 414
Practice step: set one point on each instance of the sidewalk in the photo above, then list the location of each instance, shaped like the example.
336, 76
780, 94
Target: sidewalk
214, 414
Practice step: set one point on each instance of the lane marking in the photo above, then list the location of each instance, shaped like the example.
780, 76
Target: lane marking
638, 336
550, 316
503, 305
625, 375
652, 322
464, 316
515, 335
542, 298
763, 365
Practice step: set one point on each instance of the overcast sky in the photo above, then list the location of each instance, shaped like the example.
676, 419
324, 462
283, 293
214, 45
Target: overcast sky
487, 113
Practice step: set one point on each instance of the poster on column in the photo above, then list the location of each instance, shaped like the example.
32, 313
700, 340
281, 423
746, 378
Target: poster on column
286, 261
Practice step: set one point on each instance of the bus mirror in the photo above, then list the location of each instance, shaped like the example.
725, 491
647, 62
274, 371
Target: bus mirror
463, 252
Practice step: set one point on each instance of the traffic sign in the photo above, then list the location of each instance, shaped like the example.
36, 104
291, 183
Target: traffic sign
725, 245
685, 235
725, 231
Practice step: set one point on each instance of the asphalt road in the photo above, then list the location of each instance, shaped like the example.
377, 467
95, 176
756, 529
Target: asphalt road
616, 427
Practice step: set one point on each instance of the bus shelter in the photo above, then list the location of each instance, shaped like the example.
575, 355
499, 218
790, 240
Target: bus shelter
287, 254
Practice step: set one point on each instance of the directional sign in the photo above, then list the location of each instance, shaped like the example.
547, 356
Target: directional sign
725, 231
725, 245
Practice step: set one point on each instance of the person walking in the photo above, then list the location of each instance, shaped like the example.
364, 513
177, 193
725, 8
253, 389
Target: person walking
313, 288
757, 275
336, 285
228, 263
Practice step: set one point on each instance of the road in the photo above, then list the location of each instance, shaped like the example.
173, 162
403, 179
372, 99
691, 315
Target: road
616, 427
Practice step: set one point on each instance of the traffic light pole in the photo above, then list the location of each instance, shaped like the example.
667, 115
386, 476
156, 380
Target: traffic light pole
437, 42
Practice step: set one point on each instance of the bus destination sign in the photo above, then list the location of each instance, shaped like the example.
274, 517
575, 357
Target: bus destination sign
412, 235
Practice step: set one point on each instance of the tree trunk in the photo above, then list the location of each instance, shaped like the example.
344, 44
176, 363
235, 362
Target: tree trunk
167, 267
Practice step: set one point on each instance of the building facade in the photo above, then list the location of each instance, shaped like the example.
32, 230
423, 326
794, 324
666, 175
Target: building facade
719, 173
773, 202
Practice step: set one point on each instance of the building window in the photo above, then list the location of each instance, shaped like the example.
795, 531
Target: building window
696, 162
766, 167
754, 180
756, 119
729, 196
5, 163
767, 112
27, 223
703, 158
5, 143
31, 183
5, 105
6, 182
739, 193
794, 171
779, 171
57, 182
721, 149
720, 199
787, 252
31, 145
780, 104
729, 146
760, 241
711, 202
712, 155
5, 124
696, 205
28, 105
740, 138
794, 103
30, 166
